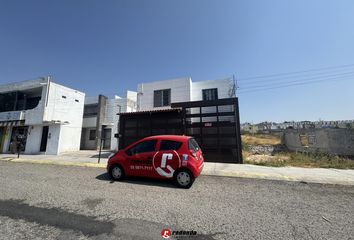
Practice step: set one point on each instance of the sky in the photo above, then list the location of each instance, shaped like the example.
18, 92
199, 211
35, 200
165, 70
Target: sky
108, 47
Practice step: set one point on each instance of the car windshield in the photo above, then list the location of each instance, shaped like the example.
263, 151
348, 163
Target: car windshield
193, 145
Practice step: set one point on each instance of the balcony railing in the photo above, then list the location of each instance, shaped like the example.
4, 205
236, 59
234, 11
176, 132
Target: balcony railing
12, 116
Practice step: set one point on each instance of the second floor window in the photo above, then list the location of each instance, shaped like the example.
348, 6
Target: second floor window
162, 98
210, 94
90, 110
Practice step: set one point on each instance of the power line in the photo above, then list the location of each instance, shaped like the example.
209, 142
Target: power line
305, 75
290, 85
296, 72
333, 76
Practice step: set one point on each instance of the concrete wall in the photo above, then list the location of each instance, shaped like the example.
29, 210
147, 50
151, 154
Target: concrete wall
89, 122
34, 137
333, 141
114, 106
109, 118
65, 105
222, 85
35, 116
60, 108
91, 100
53, 144
24, 85
89, 144
69, 138
180, 92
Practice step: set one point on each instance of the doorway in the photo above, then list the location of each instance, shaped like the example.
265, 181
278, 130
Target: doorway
44, 139
18, 139
107, 132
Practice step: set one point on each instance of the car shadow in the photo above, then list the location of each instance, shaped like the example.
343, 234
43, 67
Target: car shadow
140, 181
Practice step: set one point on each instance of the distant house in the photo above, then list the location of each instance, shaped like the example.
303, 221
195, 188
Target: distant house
100, 120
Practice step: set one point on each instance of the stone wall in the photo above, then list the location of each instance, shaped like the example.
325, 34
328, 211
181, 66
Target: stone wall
331, 141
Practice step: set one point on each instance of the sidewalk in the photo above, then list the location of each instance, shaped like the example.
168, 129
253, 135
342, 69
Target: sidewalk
311, 175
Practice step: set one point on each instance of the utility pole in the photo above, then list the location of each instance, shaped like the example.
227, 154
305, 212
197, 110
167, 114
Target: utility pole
235, 84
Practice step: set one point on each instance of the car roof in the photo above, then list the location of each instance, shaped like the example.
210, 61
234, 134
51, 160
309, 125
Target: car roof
169, 137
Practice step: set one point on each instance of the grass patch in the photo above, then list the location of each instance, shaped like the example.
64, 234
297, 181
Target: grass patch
308, 160
260, 139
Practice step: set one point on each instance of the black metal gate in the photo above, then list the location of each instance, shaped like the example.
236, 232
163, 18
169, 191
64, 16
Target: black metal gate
214, 124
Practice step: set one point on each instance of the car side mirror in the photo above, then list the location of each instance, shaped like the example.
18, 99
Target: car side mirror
128, 152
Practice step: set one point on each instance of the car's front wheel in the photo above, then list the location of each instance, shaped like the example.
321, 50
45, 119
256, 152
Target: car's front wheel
116, 172
184, 178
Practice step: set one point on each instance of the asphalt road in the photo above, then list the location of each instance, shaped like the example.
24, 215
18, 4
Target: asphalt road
62, 202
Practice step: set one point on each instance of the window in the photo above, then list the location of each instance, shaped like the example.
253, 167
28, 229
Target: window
210, 94
90, 110
162, 98
170, 145
92, 135
193, 145
146, 146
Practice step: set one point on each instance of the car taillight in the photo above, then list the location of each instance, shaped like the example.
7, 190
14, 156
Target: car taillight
192, 153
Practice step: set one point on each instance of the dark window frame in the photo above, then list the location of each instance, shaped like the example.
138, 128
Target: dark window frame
91, 110
162, 97
92, 134
210, 94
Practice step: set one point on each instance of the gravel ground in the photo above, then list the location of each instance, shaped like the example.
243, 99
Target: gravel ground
62, 202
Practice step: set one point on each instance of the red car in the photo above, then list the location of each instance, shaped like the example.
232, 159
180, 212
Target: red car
165, 156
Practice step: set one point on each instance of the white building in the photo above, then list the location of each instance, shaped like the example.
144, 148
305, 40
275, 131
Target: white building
46, 117
160, 95
100, 120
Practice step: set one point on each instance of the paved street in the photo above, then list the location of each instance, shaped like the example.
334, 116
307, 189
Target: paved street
65, 202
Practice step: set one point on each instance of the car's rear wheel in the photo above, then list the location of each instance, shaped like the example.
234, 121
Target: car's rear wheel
184, 178
116, 172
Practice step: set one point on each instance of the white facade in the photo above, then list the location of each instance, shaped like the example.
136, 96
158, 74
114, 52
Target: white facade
109, 121
182, 90
59, 109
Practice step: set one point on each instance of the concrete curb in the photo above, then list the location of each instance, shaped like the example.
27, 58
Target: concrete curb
276, 177
248, 175
53, 162
296, 174
322, 176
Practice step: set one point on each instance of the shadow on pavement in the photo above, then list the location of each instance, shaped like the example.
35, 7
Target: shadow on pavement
103, 155
140, 181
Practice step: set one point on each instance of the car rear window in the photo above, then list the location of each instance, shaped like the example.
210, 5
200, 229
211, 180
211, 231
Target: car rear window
170, 145
193, 145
